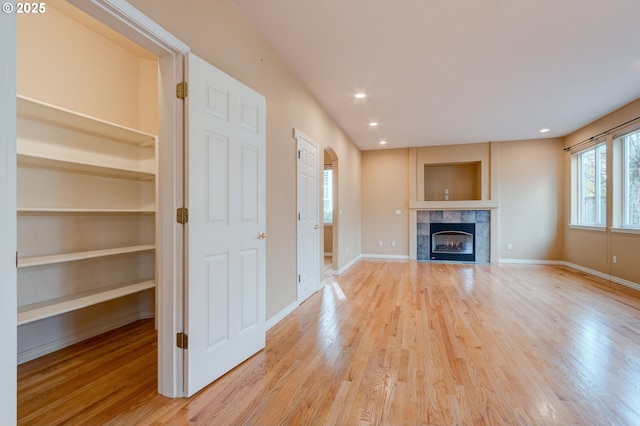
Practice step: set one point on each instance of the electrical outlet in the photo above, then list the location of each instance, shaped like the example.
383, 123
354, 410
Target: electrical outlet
509, 246
393, 243
615, 259
380, 243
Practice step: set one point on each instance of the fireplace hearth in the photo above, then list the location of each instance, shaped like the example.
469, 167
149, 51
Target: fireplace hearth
453, 241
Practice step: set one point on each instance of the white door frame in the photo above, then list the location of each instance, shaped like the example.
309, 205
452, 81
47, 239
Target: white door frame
133, 24
8, 244
298, 135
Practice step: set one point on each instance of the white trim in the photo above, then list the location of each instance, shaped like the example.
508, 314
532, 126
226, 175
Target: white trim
347, 266
133, 24
8, 288
596, 228
281, 315
298, 135
604, 276
385, 256
533, 262
589, 271
618, 230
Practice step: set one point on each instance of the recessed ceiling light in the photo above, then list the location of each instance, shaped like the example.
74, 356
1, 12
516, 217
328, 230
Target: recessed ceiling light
373, 124
360, 95
383, 142
544, 130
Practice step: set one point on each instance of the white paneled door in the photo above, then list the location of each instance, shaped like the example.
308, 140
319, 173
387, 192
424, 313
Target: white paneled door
308, 221
226, 198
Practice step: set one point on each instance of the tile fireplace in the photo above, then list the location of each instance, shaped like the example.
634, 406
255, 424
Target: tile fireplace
449, 244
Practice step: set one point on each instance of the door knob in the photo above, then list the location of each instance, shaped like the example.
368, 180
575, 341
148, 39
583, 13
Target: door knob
316, 227
262, 236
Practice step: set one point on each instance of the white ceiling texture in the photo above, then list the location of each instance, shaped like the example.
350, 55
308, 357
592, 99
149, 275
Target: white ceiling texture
440, 72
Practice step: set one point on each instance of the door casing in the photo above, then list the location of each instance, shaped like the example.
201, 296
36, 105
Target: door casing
133, 24
308, 221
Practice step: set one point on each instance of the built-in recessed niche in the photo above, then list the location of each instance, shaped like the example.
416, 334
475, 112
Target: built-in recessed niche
453, 182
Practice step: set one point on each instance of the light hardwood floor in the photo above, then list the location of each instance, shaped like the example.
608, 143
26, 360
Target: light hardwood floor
396, 343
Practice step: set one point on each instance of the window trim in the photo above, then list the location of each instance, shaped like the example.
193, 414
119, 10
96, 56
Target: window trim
620, 185
577, 182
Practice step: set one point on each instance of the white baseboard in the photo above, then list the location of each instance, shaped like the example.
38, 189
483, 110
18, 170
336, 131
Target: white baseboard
589, 271
47, 348
348, 265
386, 256
328, 254
604, 276
533, 261
281, 315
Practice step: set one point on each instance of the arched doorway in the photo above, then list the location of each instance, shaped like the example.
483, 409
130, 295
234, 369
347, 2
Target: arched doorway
331, 209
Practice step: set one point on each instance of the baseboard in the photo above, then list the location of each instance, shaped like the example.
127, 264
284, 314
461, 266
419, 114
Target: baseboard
604, 276
580, 268
47, 348
348, 265
533, 261
386, 256
328, 254
281, 315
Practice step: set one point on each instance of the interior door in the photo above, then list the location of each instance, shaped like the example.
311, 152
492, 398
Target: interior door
226, 198
308, 222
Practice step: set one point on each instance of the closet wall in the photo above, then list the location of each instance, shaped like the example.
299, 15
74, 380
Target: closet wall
67, 61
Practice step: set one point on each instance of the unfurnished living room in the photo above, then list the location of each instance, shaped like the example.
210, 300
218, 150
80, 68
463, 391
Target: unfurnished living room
237, 212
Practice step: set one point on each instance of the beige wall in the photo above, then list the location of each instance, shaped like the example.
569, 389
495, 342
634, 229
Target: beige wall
595, 249
220, 33
62, 62
531, 195
385, 181
450, 154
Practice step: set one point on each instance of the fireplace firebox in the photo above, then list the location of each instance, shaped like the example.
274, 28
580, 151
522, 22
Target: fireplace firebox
453, 241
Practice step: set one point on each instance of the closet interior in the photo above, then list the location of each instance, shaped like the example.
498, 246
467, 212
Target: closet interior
86, 180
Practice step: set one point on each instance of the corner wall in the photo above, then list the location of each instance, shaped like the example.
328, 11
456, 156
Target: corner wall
591, 249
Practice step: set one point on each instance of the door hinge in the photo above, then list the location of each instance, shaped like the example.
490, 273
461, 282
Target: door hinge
16, 259
182, 90
298, 216
299, 151
182, 215
299, 278
182, 340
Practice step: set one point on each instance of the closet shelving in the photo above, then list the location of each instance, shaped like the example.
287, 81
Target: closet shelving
78, 173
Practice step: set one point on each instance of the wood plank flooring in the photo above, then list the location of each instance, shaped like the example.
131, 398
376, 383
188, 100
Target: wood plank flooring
395, 343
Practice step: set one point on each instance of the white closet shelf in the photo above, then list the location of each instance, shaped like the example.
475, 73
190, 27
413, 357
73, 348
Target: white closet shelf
70, 257
55, 210
61, 117
86, 168
61, 305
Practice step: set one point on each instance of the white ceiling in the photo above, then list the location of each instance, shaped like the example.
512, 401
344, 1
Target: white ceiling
443, 72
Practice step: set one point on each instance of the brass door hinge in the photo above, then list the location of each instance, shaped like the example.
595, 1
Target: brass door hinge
182, 90
182, 215
182, 340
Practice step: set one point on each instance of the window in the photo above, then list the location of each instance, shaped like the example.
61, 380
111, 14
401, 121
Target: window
631, 180
328, 195
592, 186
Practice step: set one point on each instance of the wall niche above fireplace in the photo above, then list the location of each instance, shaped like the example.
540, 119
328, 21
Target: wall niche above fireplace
453, 182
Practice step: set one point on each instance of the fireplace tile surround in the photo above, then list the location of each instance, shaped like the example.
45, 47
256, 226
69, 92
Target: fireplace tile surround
480, 217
